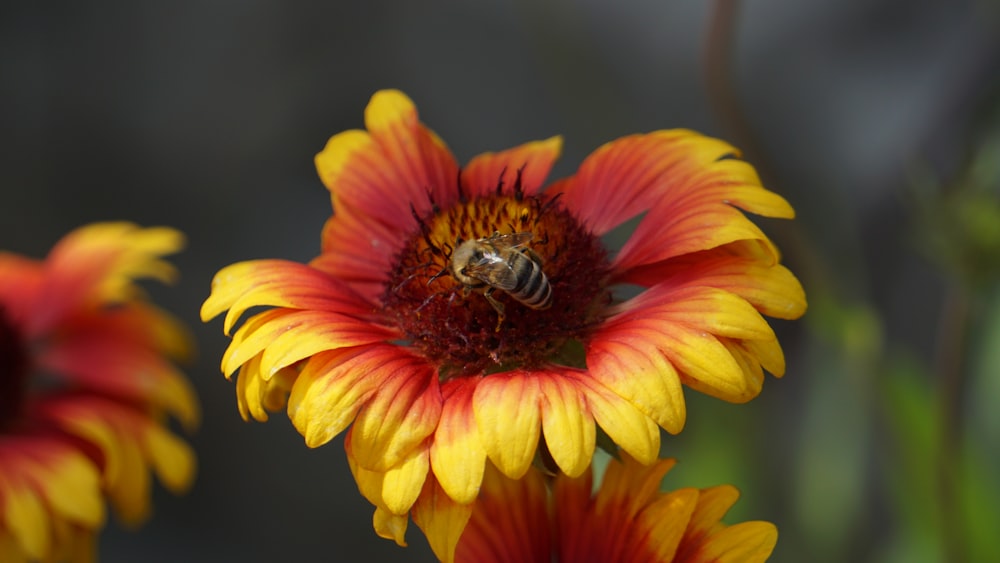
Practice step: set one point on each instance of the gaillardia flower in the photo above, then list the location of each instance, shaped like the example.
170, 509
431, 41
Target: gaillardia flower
459, 314
86, 388
627, 520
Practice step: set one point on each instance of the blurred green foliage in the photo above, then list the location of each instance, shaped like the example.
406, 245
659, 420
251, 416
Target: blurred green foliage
896, 447
957, 224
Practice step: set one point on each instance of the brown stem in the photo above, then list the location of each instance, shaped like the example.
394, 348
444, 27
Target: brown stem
718, 63
950, 366
722, 95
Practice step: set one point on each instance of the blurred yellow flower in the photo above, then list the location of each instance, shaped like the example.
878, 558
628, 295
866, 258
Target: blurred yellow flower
86, 384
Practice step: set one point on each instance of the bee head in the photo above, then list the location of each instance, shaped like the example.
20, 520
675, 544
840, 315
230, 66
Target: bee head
465, 253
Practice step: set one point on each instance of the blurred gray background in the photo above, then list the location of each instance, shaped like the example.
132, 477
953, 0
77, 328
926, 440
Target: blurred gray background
206, 116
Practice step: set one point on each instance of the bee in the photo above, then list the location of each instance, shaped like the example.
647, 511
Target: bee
502, 262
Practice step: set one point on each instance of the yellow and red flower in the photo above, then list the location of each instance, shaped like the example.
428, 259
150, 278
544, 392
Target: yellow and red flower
628, 519
86, 388
434, 374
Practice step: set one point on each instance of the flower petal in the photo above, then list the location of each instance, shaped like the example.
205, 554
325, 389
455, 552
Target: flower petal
172, 458
457, 453
359, 252
702, 214
571, 506
441, 519
390, 526
392, 492
131, 488
130, 444
509, 521
369, 482
402, 484
753, 375
71, 486
771, 288
630, 485
392, 120
98, 263
123, 434
24, 514
628, 366
151, 326
256, 396
767, 352
713, 504
332, 388
746, 542
401, 414
506, 407
398, 162
287, 336
46, 487
662, 524
632, 430
668, 231
533, 161
117, 366
683, 325
278, 283
20, 287
250, 340
249, 389
644, 169
567, 424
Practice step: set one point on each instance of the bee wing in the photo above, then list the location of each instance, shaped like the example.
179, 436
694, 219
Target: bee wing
493, 271
517, 240
512, 240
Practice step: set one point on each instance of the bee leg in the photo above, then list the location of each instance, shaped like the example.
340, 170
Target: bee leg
437, 275
496, 305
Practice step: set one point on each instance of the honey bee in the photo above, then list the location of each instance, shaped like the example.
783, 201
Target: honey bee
502, 262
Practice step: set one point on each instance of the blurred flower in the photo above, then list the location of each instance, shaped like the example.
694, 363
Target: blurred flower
85, 387
628, 519
444, 352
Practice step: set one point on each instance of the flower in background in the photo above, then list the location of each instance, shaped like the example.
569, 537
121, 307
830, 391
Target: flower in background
456, 315
86, 387
628, 519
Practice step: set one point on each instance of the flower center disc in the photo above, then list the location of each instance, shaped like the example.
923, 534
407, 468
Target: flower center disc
13, 371
453, 321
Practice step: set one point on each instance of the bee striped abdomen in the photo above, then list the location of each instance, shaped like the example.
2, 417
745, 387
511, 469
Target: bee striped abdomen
532, 287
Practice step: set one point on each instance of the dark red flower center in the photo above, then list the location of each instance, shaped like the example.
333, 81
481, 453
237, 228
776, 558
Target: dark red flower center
13, 370
498, 282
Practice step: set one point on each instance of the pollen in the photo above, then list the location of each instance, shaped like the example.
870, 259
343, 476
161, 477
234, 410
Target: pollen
478, 324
